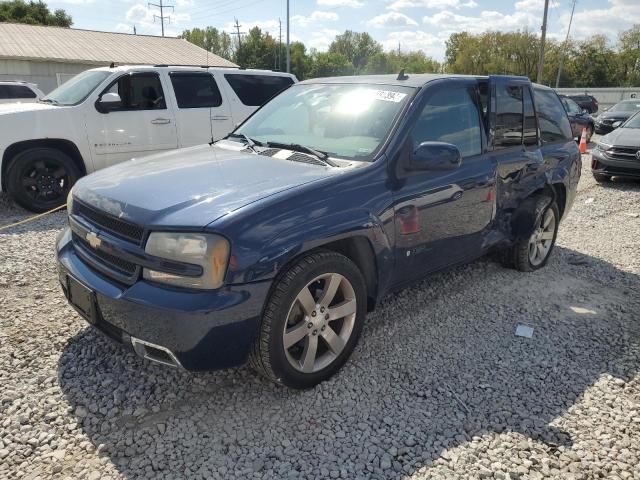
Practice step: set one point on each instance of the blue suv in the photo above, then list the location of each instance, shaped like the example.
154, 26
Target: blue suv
273, 244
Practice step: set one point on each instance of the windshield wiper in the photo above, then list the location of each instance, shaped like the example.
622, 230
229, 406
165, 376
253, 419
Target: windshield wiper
251, 143
49, 100
323, 156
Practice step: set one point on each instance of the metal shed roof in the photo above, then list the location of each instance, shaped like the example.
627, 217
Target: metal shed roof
69, 45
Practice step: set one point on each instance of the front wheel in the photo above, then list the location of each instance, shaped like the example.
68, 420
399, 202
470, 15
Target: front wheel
39, 179
312, 321
532, 253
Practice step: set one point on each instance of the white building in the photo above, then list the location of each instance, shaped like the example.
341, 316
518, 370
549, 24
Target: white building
48, 56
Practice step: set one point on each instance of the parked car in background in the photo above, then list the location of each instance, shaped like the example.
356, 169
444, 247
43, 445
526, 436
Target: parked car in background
273, 244
22, 92
618, 152
578, 118
588, 102
615, 116
107, 115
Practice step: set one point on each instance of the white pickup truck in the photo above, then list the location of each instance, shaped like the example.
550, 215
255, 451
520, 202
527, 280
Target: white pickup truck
107, 115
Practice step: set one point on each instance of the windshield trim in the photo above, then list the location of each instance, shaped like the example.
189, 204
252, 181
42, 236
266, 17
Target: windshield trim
60, 104
375, 154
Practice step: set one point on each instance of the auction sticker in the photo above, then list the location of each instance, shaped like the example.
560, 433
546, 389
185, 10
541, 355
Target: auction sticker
388, 96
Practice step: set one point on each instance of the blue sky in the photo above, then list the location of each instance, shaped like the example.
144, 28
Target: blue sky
415, 24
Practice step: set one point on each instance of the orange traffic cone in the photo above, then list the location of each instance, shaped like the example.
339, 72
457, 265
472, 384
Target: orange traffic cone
583, 141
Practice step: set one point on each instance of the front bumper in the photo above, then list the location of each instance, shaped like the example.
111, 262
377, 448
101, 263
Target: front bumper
204, 330
604, 165
602, 129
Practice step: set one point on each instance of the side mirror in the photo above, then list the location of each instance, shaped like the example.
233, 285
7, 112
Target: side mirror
439, 156
108, 102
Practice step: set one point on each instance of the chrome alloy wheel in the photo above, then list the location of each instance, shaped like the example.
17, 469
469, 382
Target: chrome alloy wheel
319, 323
541, 239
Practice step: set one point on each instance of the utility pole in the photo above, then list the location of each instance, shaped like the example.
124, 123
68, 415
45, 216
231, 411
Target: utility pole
564, 47
288, 44
398, 48
280, 46
238, 33
134, 30
162, 15
542, 39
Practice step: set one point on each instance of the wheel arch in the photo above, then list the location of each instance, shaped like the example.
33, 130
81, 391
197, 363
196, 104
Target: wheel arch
63, 145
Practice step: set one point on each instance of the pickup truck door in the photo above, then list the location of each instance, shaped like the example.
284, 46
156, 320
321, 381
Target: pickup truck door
440, 215
202, 113
141, 124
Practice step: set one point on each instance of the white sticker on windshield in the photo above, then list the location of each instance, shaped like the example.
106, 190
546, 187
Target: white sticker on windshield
389, 96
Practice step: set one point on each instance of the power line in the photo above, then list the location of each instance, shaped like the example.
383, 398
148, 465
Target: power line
161, 16
564, 47
238, 33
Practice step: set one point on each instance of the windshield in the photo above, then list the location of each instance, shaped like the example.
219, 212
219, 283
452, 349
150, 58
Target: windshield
345, 121
78, 88
633, 122
625, 107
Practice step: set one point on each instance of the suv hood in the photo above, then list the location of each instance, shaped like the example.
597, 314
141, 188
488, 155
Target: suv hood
615, 115
9, 108
192, 187
623, 137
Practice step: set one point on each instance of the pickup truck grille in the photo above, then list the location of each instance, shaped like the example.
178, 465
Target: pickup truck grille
104, 221
121, 266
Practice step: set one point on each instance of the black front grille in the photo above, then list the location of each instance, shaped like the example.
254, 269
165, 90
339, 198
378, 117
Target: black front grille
120, 228
623, 153
121, 266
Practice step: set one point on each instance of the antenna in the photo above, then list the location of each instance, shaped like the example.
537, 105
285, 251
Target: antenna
162, 15
402, 76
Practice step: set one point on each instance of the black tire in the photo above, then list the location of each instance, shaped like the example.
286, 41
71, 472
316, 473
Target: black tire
269, 356
602, 178
39, 179
517, 256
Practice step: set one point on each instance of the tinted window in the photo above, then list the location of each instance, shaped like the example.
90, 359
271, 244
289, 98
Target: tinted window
139, 91
255, 90
552, 118
195, 90
450, 116
508, 118
570, 106
530, 127
16, 91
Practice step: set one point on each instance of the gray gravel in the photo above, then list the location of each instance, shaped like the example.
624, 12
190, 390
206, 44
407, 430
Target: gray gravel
439, 387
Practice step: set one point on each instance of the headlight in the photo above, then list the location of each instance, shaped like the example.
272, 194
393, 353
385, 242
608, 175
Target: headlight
211, 252
616, 124
603, 147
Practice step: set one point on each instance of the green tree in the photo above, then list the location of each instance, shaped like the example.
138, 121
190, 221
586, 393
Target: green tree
329, 64
629, 57
33, 13
211, 39
356, 47
257, 50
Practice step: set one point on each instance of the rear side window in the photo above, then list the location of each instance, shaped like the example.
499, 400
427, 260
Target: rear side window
255, 90
450, 116
552, 117
15, 91
509, 120
195, 90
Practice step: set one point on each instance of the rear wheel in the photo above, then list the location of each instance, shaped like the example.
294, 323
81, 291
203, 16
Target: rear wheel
532, 253
39, 179
312, 321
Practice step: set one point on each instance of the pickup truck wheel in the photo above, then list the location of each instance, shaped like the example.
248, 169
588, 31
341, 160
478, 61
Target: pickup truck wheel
39, 179
312, 321
600, 178
529, 254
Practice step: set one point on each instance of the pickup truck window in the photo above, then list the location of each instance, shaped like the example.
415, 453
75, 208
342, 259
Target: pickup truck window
75, 90
345, 120
255, 90
195, 90
530, 126
139, 91
554, 124
450, 116
16, 91
509, 116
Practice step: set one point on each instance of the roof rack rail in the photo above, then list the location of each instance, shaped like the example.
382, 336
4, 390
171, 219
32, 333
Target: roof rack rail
189, 65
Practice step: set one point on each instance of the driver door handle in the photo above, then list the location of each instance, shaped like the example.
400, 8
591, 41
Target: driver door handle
219, 117
160, 121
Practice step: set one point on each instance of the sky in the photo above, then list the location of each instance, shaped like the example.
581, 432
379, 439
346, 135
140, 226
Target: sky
410, 24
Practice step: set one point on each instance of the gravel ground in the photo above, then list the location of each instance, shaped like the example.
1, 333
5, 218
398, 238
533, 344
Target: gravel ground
439, 387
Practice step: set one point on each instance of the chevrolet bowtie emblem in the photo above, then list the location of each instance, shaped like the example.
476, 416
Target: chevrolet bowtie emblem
93, 240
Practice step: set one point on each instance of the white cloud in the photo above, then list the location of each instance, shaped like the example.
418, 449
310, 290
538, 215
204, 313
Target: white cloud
341, 3
270, 26
143, 18
315, 18
450, 22
184, 3
321, 39
433, 4
619, 15
432, 45
533, 5
392, 19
